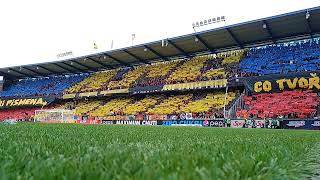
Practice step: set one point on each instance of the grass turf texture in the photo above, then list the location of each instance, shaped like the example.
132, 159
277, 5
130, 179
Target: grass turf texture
56, 151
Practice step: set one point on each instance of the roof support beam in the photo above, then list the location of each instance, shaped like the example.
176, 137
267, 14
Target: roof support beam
136, 57
269, 31
100, 63
24, 74
235, 38
310, 29
66, 69
156, 53
8, 76
179, 49
205, 44
73, 67
83, 65
33, 71
49, 70
117, 60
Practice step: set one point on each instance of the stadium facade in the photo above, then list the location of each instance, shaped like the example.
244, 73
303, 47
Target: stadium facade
262, 73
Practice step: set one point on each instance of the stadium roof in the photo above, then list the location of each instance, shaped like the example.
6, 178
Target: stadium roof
280, 28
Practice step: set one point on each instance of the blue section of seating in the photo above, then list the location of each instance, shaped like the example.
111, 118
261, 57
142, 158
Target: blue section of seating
283, 58
41, 86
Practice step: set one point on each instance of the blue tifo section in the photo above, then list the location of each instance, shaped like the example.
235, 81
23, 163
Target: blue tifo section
283, 58
41, 86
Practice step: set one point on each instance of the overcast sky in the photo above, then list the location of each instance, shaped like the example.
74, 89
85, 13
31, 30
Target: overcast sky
36, 31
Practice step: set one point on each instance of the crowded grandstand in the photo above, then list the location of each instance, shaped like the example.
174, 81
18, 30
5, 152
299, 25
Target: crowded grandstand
259, 76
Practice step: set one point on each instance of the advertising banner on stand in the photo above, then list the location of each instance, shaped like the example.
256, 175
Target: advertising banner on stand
300, 124
30, 102
237, 123
280, 82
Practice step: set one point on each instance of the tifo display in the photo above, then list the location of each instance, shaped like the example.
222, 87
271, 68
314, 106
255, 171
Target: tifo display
274, 82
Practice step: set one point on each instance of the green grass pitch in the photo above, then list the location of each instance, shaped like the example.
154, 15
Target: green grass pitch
73, 151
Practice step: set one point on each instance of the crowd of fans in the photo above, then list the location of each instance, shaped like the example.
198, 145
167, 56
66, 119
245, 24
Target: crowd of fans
40, 86
286, 104
200, 105
95, 82
282, 58
272, 59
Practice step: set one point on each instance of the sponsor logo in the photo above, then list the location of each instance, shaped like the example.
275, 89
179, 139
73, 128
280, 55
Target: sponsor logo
169, 123
296, 123
107, 122
137, 122
316, 123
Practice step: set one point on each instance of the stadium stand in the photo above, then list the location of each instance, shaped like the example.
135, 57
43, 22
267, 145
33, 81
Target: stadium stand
41, 86
211, 101
199, 68
112, 107
156, 74
282, 58
24, 113
127, 79
286, 104
168, 79
222, 65
86, 106
171, 105
17, 114
95, 82
141, 106
189, 71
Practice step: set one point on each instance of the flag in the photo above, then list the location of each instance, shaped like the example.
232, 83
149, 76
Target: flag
95, 46
112, 44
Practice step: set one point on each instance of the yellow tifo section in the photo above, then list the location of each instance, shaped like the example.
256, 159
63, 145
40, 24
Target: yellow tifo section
93, 82
189, 70
142, 105
214, 72
171, 105
211, 101
231, 56
161, 69
128, 79
110, 107
85, 107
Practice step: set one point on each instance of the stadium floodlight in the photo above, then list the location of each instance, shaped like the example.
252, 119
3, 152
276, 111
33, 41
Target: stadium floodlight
133, 37
264, 26
208, 21
307, 14
164, 42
